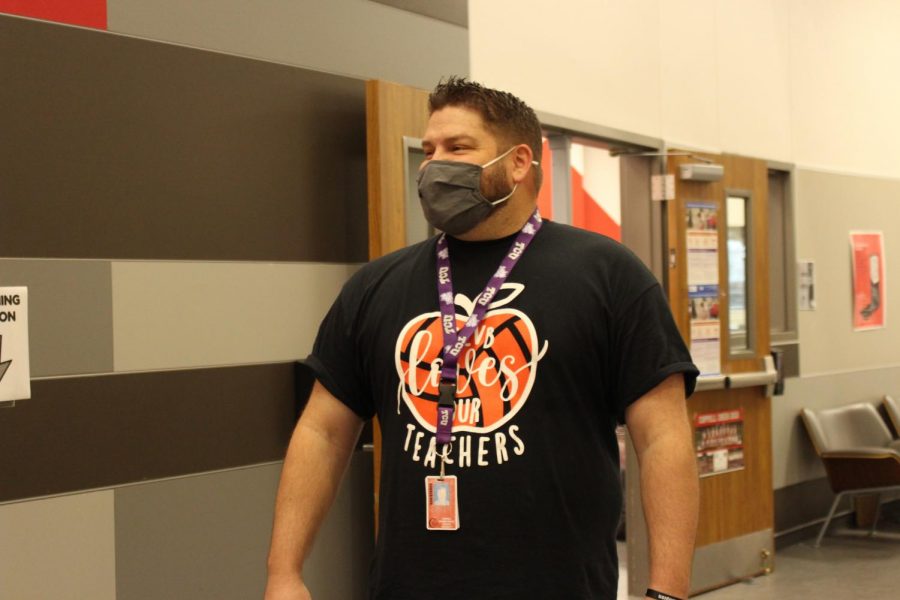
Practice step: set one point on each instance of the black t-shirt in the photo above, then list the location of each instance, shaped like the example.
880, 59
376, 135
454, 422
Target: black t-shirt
579, 330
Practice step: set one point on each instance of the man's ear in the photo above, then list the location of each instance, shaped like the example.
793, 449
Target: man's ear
522, 162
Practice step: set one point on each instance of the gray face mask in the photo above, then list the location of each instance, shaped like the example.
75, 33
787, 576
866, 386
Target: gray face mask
450, 193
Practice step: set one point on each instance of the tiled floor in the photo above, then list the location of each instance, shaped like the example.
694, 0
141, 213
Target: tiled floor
848, 565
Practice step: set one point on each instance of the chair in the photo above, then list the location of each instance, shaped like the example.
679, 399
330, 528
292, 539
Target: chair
892, 407
857, 450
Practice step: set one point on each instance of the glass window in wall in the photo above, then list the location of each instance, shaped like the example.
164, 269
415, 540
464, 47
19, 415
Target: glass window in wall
739, 299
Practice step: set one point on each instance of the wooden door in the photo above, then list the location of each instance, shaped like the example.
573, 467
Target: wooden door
735, 533
393, 113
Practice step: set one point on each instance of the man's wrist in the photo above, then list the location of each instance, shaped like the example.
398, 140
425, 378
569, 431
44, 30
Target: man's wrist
658, 595
284, 571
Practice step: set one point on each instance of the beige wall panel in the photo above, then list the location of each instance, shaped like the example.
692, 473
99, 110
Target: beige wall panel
208, 536
70, 314
844, 64
351, 37
688, 75
795, 460
829, 206
60, 548
594, 61
195, 537
187, 314
752, 44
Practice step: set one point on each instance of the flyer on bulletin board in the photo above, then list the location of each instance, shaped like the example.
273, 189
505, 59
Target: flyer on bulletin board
703, 286
702, 244
719, 441
705, 329
869, 294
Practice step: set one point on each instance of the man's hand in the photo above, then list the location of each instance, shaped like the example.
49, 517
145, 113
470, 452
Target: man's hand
286, 588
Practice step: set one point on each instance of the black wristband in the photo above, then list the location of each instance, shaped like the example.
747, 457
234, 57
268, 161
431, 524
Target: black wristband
651, 593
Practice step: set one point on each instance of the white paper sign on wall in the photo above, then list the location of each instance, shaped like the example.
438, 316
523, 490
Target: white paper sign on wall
662, 187
15, 370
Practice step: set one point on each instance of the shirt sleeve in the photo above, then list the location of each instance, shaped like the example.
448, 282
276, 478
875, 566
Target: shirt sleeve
336, 357
649, 349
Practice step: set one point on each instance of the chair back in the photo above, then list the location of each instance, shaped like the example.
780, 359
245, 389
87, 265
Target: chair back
892, 407
845, 427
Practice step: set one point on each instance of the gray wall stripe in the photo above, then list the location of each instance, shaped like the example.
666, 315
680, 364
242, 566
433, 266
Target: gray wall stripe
70, 314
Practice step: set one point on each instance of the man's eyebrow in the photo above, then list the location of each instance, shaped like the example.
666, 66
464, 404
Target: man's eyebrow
453, 139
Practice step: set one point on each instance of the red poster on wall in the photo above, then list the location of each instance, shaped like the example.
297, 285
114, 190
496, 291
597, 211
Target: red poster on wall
869, 295
86, 13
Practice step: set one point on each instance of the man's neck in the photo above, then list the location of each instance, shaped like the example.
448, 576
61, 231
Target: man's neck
505, 221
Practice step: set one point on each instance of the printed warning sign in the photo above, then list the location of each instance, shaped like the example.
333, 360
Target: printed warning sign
15, 370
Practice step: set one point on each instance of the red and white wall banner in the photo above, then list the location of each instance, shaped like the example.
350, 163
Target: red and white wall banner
869, 294
85, 13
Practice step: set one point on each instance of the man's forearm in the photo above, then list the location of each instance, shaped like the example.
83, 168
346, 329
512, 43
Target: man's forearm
315, 463
670, 495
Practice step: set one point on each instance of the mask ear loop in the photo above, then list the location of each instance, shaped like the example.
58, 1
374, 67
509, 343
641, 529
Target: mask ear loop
516, 186
496, 158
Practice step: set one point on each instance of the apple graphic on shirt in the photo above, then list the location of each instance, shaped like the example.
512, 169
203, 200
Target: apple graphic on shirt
496, 369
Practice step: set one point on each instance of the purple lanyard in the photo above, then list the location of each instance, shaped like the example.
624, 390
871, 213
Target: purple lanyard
455, 341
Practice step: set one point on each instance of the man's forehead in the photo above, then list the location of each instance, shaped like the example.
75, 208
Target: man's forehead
456, 122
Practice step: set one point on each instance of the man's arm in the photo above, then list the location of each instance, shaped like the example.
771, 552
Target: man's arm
670, 490
316, 459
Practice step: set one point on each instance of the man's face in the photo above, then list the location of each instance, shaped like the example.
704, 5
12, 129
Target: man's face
458, 133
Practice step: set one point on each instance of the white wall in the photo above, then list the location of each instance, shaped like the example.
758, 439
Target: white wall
845, 61
806, 81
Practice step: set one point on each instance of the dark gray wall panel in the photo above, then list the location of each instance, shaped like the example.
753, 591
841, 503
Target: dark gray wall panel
116, 147
208, 536
88, 432
70, 314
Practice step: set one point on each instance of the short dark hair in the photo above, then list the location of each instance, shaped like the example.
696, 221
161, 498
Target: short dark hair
505, 115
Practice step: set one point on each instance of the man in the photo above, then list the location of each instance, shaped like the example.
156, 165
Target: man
499, 359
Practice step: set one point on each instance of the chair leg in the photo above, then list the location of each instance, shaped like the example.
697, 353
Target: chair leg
828, 520
877, 514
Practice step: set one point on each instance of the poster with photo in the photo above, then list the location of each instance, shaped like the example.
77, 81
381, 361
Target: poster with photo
705, 328
869, 294
702, 243
703, 285
719, 441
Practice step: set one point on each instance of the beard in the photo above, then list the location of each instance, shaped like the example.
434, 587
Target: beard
494, 184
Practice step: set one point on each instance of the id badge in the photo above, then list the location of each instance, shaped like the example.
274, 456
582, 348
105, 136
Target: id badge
441, 503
